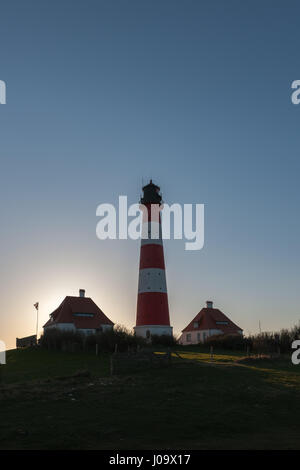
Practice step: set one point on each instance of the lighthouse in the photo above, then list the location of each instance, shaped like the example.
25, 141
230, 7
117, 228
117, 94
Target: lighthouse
152, 317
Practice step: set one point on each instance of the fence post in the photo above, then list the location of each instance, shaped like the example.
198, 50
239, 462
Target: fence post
169, 357
248, 352
111, 364
112, 359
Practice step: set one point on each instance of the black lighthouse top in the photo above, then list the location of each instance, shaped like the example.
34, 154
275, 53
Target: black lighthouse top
151, 194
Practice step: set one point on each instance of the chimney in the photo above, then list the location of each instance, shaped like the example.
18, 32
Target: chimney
209, 304
81, 292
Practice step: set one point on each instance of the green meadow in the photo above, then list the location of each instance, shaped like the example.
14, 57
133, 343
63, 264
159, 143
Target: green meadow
55, 400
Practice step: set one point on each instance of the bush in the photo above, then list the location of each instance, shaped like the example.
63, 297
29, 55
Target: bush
119, 337
163, 340
274, 342
107, 340
62, 340
230, 342
265, 342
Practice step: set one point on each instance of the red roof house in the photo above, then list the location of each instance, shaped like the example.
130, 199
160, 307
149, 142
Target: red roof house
208, 322
79, 314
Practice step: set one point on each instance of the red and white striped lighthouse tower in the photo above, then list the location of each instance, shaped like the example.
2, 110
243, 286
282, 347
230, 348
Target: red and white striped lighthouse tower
152, 317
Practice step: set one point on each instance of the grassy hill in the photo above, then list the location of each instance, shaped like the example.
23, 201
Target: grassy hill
54, 400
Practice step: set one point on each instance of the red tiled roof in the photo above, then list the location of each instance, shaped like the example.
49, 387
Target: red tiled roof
72, 305
207, 318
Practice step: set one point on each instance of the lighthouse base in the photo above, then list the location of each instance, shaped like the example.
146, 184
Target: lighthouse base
146, 331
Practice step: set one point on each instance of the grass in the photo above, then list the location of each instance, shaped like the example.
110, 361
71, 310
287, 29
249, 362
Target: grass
227, 403
24, 365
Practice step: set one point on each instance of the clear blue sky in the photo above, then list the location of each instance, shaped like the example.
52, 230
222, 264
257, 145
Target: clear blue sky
195, 94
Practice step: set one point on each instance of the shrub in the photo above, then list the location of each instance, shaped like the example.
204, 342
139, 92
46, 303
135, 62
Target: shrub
107, 340
62, 340
119, 337
273, 342
163, 340
230, 342
265, 342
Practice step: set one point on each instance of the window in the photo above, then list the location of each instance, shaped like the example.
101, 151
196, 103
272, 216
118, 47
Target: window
196, 324
221, 322
204, 336
188, 337
148, 334
198, 337
78, 314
